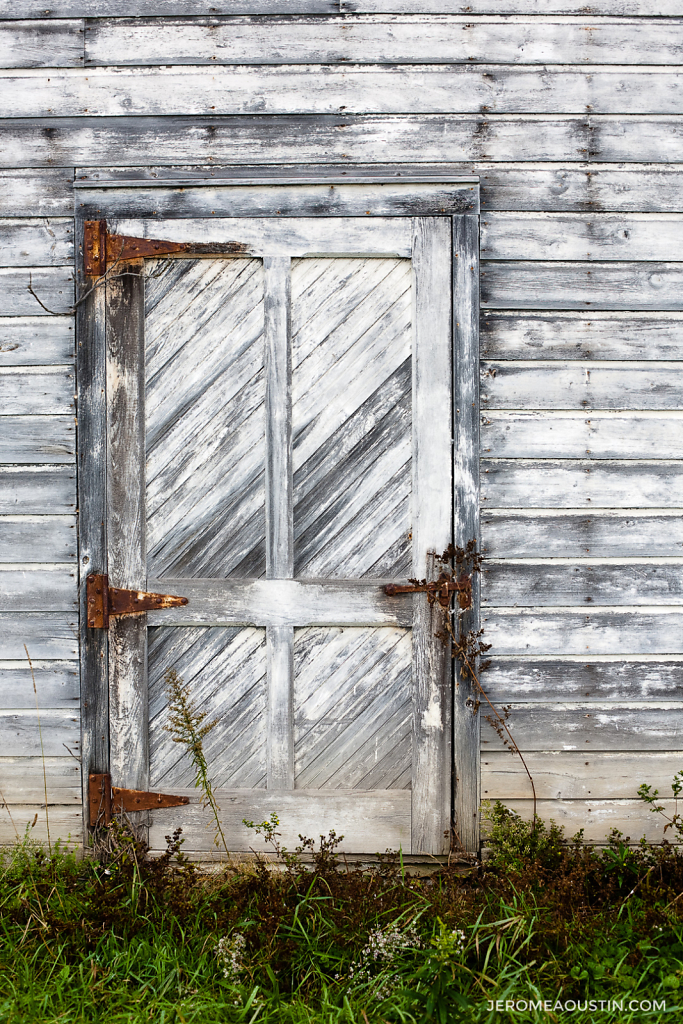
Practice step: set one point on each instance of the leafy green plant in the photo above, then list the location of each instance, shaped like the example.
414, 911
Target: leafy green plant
514, 842
651, 796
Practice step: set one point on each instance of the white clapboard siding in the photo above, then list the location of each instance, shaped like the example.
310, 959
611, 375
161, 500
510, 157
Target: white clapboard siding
136, 141
355, 89
592, 335
36, 390
34, 489
36, 243
41, 44
655, 582
42, 586
547, 285
65, 822
32, 193
174, 8
590, 727
580, 631
578, 236
561, 483
574, 435
630, 533
31, 340
575, 776
47, 635
56, 685
386, 39
21, 735
33, 439
22, 781
53, 286
597, 818
610, 677
581, 385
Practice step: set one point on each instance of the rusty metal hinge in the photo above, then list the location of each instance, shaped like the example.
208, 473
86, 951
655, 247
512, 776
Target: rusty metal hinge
105, 799
100, 248
105, 602
438, 590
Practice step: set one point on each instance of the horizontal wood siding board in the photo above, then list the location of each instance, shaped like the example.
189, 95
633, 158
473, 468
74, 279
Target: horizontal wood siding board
41, 44
64, 822
597, 817
56, 685
48, 242
584, 385
36, 341
592, 335
53, 286
18, 9
137, 141
357, 89
31, 193
48, 538
630, 631
368, 820
31, 590
389, 39
561, 285
33, 489
23, 781
48, 635
582, 534
576, 776
35, 439
589, 728
599, 435
39, 390
617, 8
20, 734
552, 584
609, 678
564, 483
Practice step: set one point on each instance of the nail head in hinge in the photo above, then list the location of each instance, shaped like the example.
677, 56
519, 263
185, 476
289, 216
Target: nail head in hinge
102, 249
104, 602
105, 799
438, 590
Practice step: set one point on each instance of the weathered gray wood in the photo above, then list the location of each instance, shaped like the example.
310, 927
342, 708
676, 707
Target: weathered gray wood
534, 583
36, 390
32, 489
590, 335
609, 678
582, 236
22, 781
175, 8
617, 8
375, 821
377, 38
600, 435
598, 817
33, 439
56, 685
523, 483
518, 631
138, 141
280, 724
591, 727
33, 341
281, 603
599, 534
278, 374
271, 174
65, 823
48, 538
357, 89
48, 635
432, 530
542, 285
126, 561
41, 44
32, 193
466, 721
581, 385
305, 236
31, 590
48, 242
52, 285
573, 776
649, 187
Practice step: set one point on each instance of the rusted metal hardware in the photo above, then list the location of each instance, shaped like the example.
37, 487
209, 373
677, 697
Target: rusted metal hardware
437, 590
105, 602
101, 249
104, 800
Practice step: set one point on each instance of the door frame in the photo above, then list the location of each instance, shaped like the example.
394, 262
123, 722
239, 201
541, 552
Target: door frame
276, 192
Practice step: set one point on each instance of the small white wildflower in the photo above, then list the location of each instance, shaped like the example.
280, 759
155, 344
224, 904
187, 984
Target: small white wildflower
230, 954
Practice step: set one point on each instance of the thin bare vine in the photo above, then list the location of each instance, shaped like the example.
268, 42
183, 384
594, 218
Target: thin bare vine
102, 279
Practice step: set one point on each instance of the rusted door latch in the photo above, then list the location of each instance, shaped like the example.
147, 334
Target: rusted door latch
101, 248
105, 602
105, 799
437, 590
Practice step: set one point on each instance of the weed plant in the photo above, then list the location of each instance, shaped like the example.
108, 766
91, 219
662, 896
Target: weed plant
135, 939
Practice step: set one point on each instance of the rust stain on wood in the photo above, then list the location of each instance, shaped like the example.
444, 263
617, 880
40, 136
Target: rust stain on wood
102, 249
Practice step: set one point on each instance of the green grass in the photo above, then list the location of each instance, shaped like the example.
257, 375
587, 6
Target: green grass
134, 940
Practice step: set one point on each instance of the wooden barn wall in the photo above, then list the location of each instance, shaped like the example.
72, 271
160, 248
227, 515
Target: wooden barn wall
571, 116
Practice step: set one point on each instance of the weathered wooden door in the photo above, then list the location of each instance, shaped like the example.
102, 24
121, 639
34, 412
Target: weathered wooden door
279, 447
